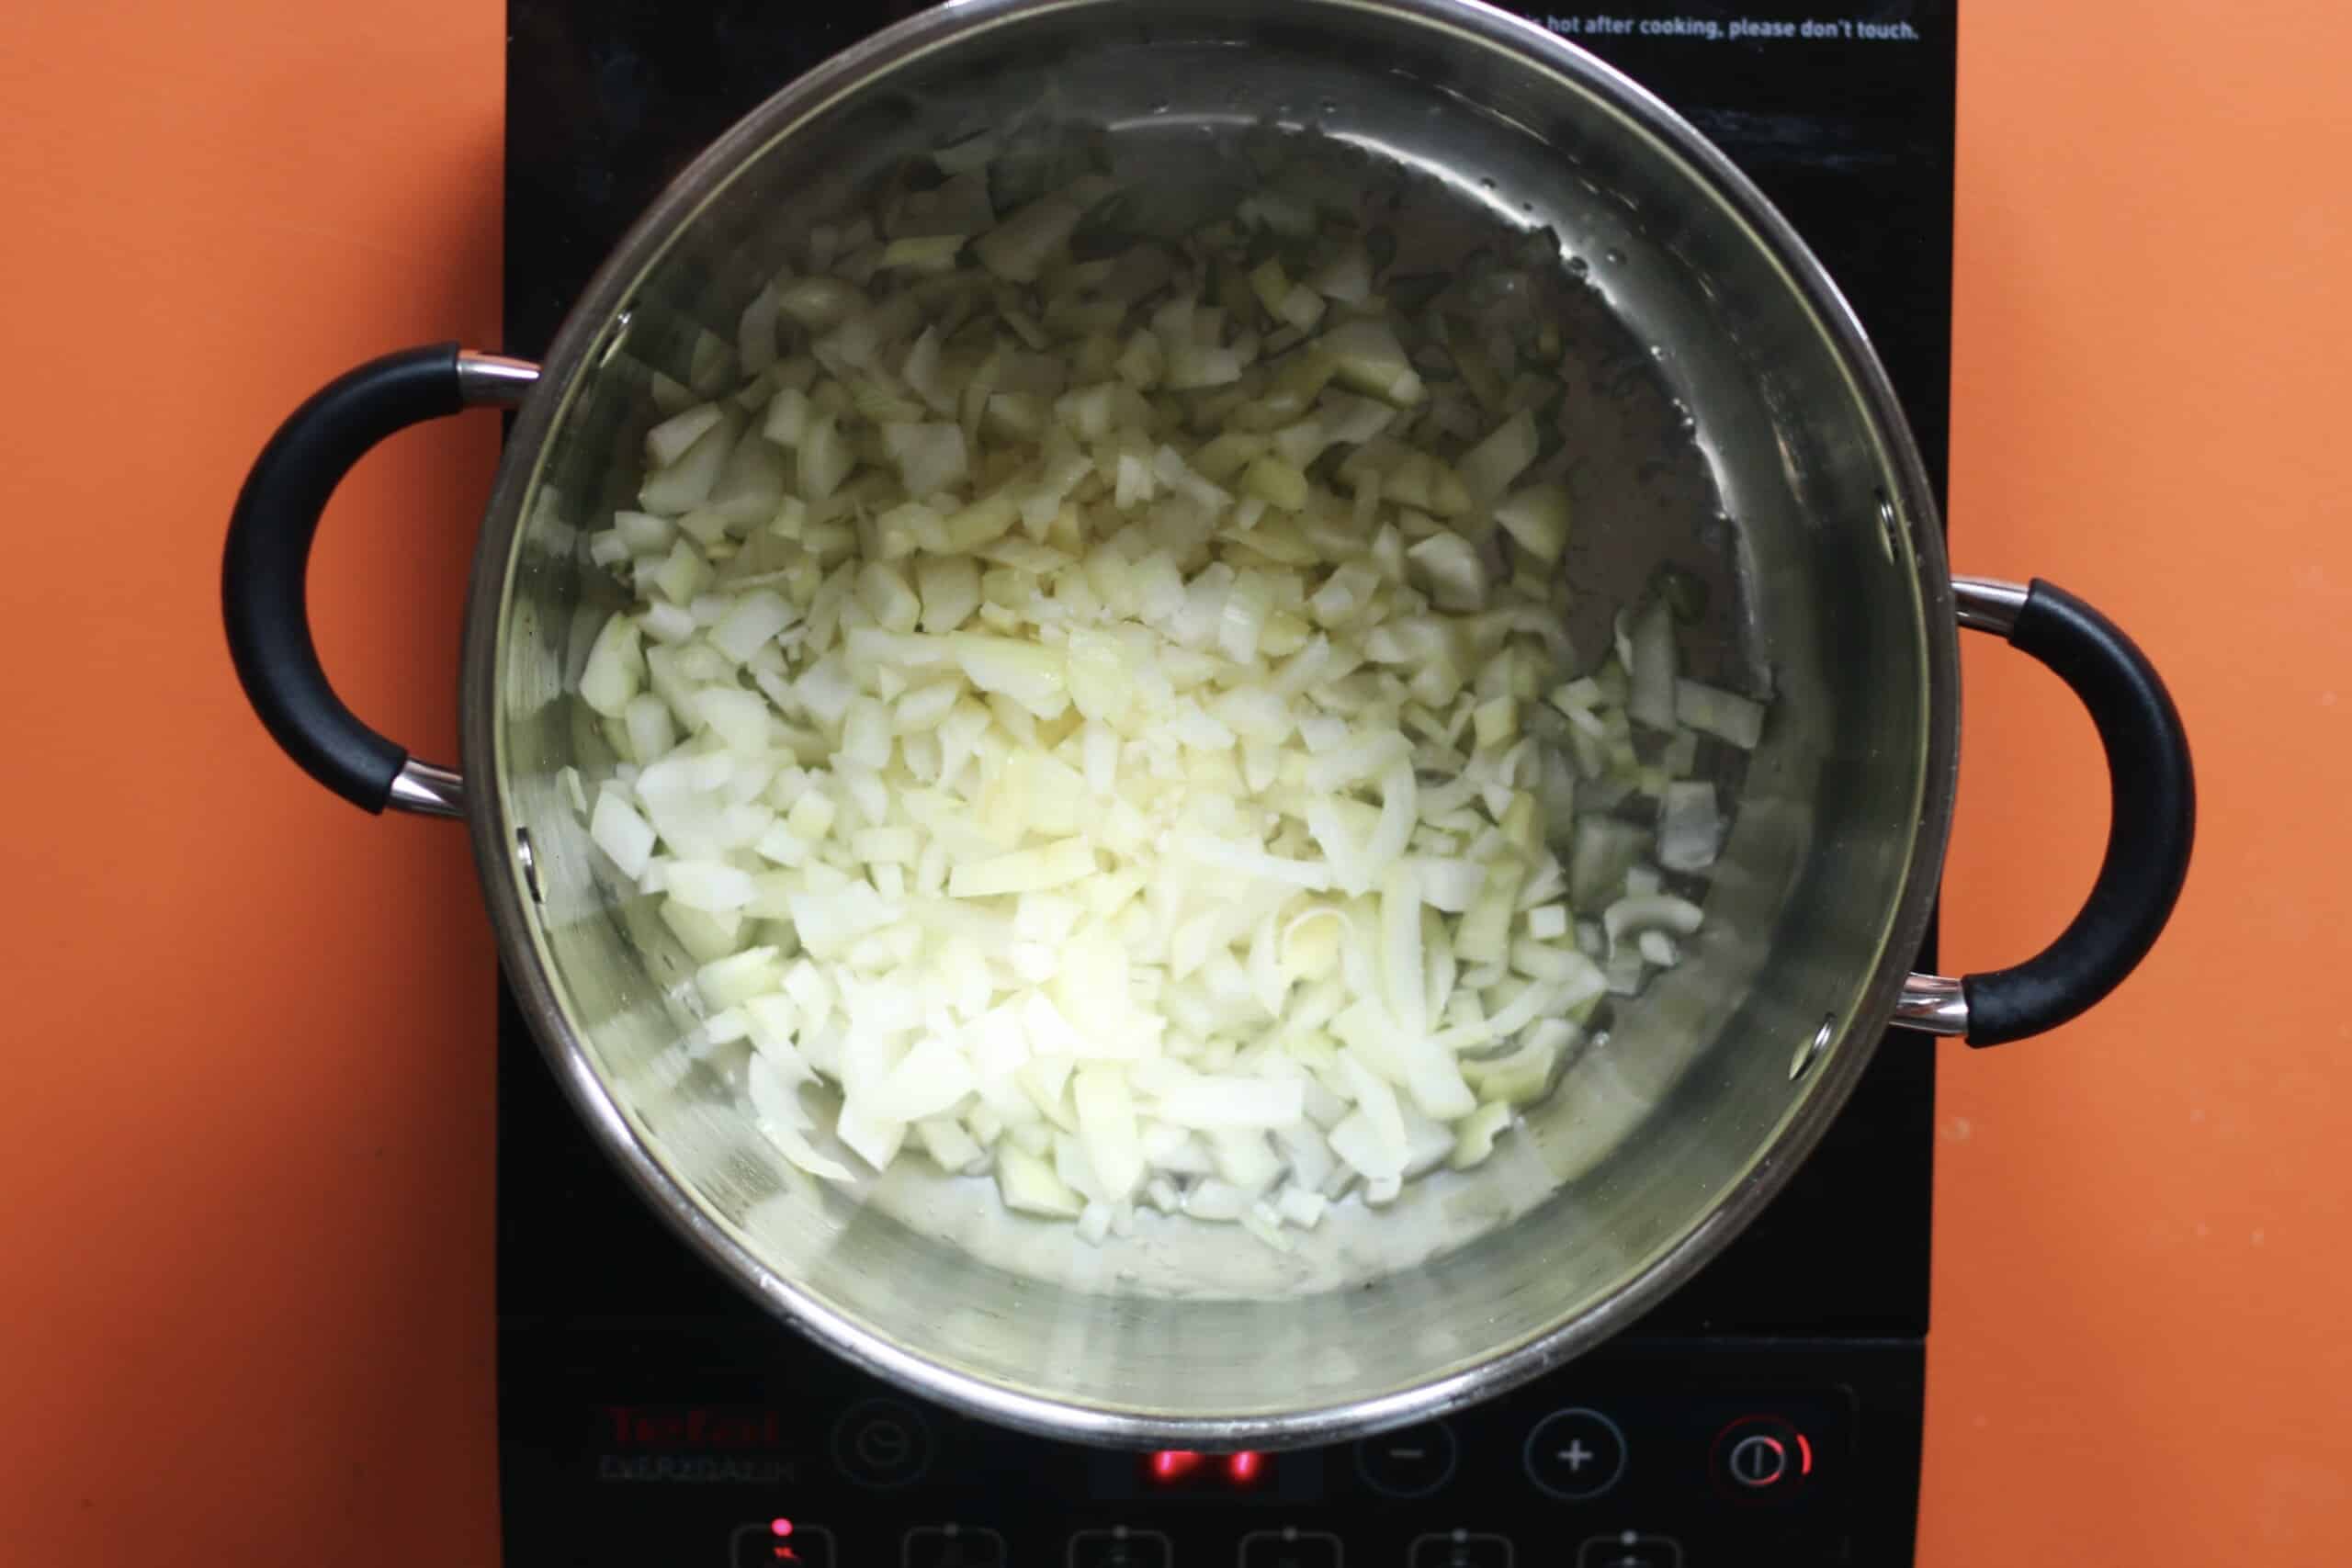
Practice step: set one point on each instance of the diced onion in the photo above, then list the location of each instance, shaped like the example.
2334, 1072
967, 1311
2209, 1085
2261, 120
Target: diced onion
1651, 700
1537, 519
1690, 828
1099, 719
1725, 715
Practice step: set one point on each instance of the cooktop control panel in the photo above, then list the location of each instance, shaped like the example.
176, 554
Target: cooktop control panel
1644, 1456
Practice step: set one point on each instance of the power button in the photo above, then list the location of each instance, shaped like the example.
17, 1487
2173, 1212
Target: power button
1762, 1457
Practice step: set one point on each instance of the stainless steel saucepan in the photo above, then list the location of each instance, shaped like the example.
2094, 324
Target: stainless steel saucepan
1742, 427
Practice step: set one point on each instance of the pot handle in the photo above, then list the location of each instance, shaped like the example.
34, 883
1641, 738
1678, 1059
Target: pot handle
2151, 824
264, 570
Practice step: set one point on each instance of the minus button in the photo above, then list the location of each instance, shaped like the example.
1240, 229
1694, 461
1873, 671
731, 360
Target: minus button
1413, 1462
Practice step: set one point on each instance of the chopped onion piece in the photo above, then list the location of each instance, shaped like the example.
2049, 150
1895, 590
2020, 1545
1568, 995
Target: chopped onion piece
1031, 675
1537, 520
1475, 1134
1653, 911
1023, 870
1366, 354
622, 834
1690, 828
1248, 860
1451, 565
1725, 715
930, 457
685, 483
1016, 250
1651, 700
668, 441
1029, 1185
1488, 469
616, 666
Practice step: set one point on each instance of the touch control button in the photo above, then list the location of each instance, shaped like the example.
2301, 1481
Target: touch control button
952, 1546
1412, 1463
1630, 1550
882, 1443
1290, 1549
802, 1546
1757, 1459
1762, 1457
1461, 1549
1120, 1548
1574, 1454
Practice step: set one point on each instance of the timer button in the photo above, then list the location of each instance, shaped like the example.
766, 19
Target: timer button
882, 1443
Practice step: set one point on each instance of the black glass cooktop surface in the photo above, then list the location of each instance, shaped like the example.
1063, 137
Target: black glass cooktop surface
1768, 1412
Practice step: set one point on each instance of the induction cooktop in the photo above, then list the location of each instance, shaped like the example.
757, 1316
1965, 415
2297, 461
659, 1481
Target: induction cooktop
1768, 1412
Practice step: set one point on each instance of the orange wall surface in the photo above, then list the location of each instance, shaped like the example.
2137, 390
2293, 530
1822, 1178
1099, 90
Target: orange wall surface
245, 1133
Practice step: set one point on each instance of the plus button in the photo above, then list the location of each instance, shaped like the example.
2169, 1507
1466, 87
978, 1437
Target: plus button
1576, 1453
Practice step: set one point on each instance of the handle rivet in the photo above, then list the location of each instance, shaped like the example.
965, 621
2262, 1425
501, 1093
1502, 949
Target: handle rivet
530, 861
1809, 1051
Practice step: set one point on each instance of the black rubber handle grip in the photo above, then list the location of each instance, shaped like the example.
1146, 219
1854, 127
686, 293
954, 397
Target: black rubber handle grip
2152, 828
265, 570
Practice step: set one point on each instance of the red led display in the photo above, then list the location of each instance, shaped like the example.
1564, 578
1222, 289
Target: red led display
1173, 1464
1183, 1469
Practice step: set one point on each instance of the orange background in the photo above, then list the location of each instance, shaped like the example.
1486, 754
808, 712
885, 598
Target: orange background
245, 1137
